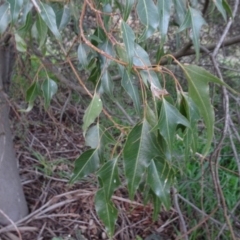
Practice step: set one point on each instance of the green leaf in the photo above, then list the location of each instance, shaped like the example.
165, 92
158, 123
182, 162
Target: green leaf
42, 30
15, 8
150, 76
32, 93
95, 73
141, 146
121, 53
83, 50
25, 11
227, 8
4, 17
87, 163
49, 88
141, 57
98, 37
20, 43
109, 177
128, 39
164, 11
49, 17
180, 8
107, 9
160, 178
106, 211
132, 90
194, 20
169, 118
26, 28
106, 84
92, 112
221, 9
148, 15
198, 79
100, 138
66, 16
156, 205
151, 116
107, 47
128, 4
190, 110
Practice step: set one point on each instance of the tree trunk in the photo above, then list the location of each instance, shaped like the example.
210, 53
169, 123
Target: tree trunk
12, 200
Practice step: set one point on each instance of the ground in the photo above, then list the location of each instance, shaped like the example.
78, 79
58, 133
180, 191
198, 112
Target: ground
46, 144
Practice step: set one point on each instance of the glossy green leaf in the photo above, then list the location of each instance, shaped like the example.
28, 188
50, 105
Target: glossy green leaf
95, 73
198, 88
180, 9
49, 17
148, 15
83, 50
156, 205
128, 39
49, 88
66, 17
106, 211
92, 112
147, 33
42, 30
141, 57
227, 8
164, 11
106, 84
149, 76
151, 116
26, 28
20, 43
194, 20
190, 110
128, 4
107, 9
106, 47
141, 146
87, 163
98, 37
160, 179
121, 53
169, 118
221, 9
25, 11
15, 8
100, 138
32, 93
109, 178
132, 90
4, 17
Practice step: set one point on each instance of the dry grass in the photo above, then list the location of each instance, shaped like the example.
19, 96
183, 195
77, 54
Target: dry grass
46, 149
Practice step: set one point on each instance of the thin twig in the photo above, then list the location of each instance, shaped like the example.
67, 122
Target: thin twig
225, 225
215, 155
124, 112
237, 159
12, 224
198, 225
199, 210
182, 221
36, 6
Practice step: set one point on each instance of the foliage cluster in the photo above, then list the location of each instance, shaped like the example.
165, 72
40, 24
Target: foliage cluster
143, 145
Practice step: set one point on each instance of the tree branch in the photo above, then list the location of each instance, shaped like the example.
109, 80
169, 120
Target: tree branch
185, 51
